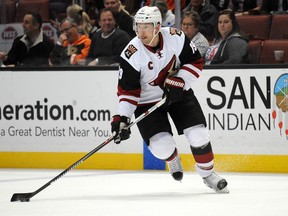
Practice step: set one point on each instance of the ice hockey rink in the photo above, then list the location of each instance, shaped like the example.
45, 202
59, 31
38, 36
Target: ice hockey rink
137, 193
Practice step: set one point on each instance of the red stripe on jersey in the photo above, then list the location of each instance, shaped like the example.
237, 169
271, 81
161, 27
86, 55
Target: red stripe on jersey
128, 93
129, 101
205, 158
198, 64
190, 71
133, 92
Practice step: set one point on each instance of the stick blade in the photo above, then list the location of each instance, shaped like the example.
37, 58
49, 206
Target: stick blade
22, 197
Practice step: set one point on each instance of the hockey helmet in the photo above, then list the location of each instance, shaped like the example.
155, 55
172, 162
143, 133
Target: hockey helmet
148, 14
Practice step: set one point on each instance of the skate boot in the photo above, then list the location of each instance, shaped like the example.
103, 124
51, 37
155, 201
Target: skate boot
175, 168
217, 183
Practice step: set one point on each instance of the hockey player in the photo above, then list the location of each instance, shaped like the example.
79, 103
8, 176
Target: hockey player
163, 61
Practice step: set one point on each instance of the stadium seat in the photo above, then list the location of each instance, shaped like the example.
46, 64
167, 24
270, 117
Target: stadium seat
255, 26
40, 6
255, 48
10, 11
267, 54
279, 26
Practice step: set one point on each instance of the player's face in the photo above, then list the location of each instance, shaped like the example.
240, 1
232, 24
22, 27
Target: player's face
145, 32
224, 25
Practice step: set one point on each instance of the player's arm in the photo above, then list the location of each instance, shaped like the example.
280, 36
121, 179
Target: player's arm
129, 88
191, 63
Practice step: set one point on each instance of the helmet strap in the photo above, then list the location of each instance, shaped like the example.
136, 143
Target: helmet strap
154, 35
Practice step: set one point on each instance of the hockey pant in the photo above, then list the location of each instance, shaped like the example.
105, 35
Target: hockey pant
163, 146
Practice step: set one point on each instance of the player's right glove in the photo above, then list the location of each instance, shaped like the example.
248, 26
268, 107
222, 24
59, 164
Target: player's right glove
173, 89
117, 128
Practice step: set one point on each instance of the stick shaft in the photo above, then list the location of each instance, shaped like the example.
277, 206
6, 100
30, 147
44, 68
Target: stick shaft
85, 157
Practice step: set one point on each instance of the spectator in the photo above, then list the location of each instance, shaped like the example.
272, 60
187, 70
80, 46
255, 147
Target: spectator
77, 13
123, 18
58, 7
171, 4
71, 46
229, 46
168, 18
82, 19
189, 25
108, 42
220, 4
31, 49
274, 6
132, 6
249, 7
208, 14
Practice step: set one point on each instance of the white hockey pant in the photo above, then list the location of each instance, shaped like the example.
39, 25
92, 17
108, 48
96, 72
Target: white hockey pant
162, 145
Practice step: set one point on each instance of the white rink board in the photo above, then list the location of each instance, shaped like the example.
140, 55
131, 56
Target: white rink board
93, 91
247, 126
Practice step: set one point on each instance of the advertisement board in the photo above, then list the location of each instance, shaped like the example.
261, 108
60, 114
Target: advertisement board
70, 112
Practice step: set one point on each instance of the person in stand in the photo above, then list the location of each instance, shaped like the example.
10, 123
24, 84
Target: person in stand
77, 13
107, 43
208, 15
190, 25
229, 46
72, 47
220, 4
31, 49
164, 61
168, 18
274, 6
123, 18
58, 7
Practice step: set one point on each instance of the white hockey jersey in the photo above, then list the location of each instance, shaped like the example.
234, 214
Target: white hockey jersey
143, 69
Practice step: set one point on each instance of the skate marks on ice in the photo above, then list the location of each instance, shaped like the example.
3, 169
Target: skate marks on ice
141, 193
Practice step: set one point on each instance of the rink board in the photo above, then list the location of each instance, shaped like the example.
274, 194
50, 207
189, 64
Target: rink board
50, 119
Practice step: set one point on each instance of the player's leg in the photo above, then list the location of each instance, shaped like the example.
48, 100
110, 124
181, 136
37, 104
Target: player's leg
155, 129
163, 147
189, 119
201, 148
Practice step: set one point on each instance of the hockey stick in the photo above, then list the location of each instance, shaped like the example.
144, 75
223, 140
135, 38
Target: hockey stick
25, 197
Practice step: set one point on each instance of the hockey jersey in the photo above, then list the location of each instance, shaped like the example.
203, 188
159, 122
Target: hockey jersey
143, 69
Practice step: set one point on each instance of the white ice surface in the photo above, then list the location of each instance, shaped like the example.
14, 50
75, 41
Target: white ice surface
137, 193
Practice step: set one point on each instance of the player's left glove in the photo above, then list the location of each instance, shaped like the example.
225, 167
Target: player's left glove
118, 125
173, 89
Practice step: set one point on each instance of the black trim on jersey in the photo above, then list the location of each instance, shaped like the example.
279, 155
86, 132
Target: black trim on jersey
187, 55
130, 77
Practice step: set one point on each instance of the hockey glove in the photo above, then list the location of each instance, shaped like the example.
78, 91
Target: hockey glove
173, 90
117, 127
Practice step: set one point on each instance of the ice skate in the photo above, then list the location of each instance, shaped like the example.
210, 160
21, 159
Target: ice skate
175, 168
217, 183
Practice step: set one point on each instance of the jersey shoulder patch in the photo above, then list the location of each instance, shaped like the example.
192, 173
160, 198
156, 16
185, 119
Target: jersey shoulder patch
131, 49
175, 31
